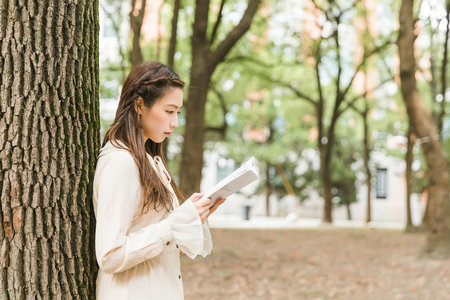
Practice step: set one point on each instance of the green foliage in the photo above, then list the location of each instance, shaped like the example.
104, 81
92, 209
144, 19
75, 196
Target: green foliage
246, 91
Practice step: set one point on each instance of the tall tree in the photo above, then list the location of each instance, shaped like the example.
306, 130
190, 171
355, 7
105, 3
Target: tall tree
329, 107
438, 239
49, 141
205, 59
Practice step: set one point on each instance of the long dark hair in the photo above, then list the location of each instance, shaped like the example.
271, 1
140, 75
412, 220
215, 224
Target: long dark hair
149, 81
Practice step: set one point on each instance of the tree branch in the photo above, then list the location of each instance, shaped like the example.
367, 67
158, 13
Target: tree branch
217, 24
235, 34
241, 58
297, 92
222, 130
351, 102
363, 61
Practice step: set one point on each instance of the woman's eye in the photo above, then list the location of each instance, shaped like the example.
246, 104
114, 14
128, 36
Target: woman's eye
169, 112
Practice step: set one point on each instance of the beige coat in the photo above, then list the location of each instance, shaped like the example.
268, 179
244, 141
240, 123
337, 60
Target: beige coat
139, 256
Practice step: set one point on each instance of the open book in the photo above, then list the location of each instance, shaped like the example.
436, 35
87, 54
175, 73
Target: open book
240, 178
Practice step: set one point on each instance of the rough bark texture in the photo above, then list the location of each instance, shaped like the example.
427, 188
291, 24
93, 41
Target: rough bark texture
49, 141
438, 239
204, 61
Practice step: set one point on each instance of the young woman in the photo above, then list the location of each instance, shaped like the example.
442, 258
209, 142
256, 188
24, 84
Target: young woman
141, 225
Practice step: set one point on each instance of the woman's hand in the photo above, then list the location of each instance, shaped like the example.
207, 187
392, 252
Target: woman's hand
202, 206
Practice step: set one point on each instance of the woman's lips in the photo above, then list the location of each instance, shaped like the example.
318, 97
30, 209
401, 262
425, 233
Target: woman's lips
168, 133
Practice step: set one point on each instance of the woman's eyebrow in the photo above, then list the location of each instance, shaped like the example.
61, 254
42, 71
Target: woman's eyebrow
174, 106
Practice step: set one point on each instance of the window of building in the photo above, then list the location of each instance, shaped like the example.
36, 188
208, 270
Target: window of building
381, 183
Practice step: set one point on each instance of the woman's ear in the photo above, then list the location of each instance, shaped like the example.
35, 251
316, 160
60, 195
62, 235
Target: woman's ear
138, 104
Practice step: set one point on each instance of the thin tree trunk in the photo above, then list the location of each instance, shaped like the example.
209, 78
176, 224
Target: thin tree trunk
49, 141
349, 211
268, 190
159, 38
204, 61
173, 36
325, 175
136, 18
438, 237
444, 82
172, 49
287, 185
367, 166
409, 160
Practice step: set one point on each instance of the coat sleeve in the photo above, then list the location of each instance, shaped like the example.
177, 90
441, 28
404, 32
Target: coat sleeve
118, 199
193, 237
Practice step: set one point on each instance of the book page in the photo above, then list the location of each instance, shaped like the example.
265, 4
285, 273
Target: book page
237, 180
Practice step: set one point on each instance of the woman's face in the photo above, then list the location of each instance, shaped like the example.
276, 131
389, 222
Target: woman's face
159, 121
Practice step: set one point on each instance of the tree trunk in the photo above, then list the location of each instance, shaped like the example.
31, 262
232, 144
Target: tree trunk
349, 211
136, 18
444, 82
268, 190
438, 238
159, 37
192, 154
204, 61
367, 166
325, 175
409, 160
173, 36
49, 141
171, 53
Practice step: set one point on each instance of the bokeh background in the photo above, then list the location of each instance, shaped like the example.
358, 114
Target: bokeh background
312, 89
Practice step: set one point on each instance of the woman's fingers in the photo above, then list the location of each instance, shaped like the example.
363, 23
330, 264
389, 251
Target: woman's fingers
196, 196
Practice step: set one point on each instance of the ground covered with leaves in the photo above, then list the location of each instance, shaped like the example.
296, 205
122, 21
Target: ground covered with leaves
323, 263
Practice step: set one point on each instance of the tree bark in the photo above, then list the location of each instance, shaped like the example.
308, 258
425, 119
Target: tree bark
204, 61
438, 237
409, 174
49, 141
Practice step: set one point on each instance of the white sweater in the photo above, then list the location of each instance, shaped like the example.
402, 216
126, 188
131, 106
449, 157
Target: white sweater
139, 256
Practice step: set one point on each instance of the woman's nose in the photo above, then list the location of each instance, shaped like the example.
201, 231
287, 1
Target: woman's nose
174, 123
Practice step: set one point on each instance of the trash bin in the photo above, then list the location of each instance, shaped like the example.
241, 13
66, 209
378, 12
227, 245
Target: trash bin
246, 211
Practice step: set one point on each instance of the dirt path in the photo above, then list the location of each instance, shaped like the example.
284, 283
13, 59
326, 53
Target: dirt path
315, 264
